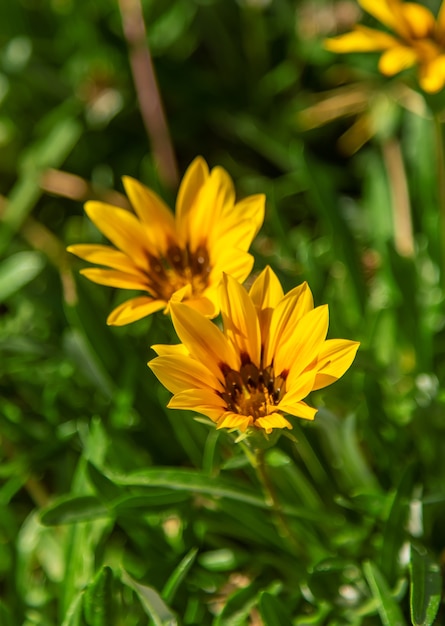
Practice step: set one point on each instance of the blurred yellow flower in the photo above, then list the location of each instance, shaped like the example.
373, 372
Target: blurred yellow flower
174, 258
272, 354
419, 40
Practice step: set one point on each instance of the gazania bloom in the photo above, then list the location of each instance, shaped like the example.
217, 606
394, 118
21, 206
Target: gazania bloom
418, 39
272, 353
171, 258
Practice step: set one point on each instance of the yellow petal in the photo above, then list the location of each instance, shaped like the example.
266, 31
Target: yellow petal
152, 211
419, 19
301, 409
432, 75
204, 401
382, 10
240, 320
205, 217
232, 261
334, 358
169, 350
238, 224
303, 345
297, 389
239, 236
104, 255
178, 372
274, 420
203, 339
202, 304
194, 178
252, 208
233, 420
397, 59
134, 310
266, 291
115, 278
362, 39
286, 315
122, 228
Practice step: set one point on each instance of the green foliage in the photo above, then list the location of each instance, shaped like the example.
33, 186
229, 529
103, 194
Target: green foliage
116, 510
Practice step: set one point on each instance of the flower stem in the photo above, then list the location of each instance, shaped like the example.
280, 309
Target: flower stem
257, 459
147, 89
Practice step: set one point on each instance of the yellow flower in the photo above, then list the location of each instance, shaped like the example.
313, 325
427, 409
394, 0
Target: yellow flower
419, 40
177, 258
272, 354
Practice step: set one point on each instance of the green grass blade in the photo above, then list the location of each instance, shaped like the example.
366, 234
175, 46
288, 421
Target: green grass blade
272, 610
18, 270
389, 611
178, 575
394, 533
51, 151
425, 587
151, 602
98, 599
69, 510
198, 482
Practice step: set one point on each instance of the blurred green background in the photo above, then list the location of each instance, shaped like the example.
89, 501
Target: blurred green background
115, 510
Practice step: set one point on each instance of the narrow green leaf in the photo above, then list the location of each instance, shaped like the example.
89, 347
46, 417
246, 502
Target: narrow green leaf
48, 152
68, 510
238, 607
18, 270
193, 481
325, 198
151, 602
74, 612
98, 599
388, 609
394, 531
318, 618
425, 587
105, 488
155, 497
178, 575
272, 610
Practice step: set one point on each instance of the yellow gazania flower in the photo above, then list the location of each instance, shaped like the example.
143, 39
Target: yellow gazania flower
419, 40
272, 354
177, 258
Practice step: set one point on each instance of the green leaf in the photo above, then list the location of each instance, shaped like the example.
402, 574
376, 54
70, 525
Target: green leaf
324, 197
68, 510
318, 618
388, 609
394, 531
74, 612
98, 599
51, 151
237, 607
193, 481
152, 602
178, 575
156, 497
18, 270
425, 587
105, 488
272, 610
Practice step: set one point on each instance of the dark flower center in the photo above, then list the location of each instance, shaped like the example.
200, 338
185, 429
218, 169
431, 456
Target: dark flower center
252, 391
179, 267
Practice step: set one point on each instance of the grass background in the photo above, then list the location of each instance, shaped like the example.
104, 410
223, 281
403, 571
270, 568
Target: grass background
115, 510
